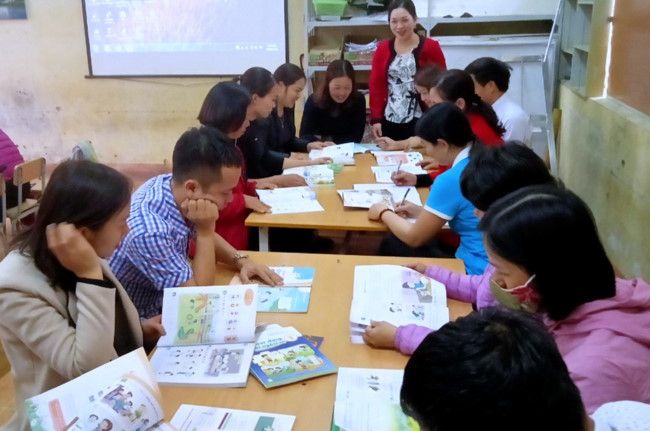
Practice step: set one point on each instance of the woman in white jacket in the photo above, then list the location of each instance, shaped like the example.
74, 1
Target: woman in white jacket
62, 311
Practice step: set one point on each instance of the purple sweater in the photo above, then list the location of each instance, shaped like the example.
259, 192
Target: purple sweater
474, 289
9, 156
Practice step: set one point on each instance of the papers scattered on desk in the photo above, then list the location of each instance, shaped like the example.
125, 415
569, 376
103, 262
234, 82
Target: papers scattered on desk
397, 192
200, 418
389, 158
383, 174
210, 335
342, 153
122, 393
290, 200
368, 399
398, 295
365, 148
313, 175
283, 356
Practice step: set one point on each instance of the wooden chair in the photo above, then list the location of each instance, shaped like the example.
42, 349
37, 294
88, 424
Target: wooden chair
26, 173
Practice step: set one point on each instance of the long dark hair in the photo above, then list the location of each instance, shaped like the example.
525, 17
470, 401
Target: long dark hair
445, 121
336, 69
408, 5
551, 233
457, 84
224, 107
258, 81
79, 192
288, 74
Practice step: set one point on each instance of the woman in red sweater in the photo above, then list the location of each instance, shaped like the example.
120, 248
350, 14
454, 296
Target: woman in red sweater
394, 106
226, 108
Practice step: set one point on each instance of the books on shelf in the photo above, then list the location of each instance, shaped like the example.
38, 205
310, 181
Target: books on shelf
210, 335
397, 295
283, 356
201, 418
294, 294
365, 195
313, 175
121, 394
290, 200
342, 153
389, 158
368, 399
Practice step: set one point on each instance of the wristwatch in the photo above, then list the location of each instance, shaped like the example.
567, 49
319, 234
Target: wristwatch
238, 256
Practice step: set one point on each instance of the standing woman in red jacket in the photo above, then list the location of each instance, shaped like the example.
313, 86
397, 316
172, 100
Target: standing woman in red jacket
394, 105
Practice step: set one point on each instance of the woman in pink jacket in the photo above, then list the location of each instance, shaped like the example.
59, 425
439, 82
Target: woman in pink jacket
10, 157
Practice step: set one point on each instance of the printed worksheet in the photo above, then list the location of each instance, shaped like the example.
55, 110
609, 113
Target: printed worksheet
366, 198
365, 148
291, 200
383, 174
294, 294
201, 418
397, 295
313, 175
387, 158
120, 395
342, 153
397, 192
369, 400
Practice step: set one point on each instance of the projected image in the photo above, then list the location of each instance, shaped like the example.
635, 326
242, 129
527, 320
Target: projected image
167, 37
13, 9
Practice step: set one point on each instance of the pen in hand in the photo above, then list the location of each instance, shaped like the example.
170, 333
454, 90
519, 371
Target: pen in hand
405, 195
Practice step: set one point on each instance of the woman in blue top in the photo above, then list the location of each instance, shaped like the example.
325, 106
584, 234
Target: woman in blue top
448, 137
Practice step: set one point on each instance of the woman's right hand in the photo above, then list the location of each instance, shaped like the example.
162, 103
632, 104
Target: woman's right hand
428, 164
291, 180
387, 144
376, 131
321, 161
408, 210
73, 251
401, 178
419, 267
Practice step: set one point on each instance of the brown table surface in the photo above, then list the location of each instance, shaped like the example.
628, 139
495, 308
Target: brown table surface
310, 401
335, 216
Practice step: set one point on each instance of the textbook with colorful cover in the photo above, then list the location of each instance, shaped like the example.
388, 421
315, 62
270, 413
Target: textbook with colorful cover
397, 295
368, 399
313, 175
342, 153
365, 148
388, 158
294, 294
283, 356
210, 335
119, 395
201, 418
291, 200
365, 195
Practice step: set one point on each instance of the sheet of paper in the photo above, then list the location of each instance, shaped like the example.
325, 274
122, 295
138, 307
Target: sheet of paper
369, 399
206, 365
383, 174
397, 192
365, 148
366, 198
121, 394
200, 418
342, 153
398, 295
313, 175
209, 315
388, 158
291, 200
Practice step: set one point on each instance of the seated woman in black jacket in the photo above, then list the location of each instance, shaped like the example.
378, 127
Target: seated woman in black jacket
337, 111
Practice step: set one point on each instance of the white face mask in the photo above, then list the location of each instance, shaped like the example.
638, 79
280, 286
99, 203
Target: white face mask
522, 297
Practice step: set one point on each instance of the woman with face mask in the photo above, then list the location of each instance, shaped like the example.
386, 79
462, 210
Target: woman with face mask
337, 111
394, 105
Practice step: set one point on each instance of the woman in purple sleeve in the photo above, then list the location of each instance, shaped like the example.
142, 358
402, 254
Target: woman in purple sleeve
491, 174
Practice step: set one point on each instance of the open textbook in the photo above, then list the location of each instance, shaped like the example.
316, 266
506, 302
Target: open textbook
397, 295
388, 158
384, 174
294, 294
200, 418
342, 153
365, 195
368, 399
313, 175
123, 395
283, 356
210, 335
291, 200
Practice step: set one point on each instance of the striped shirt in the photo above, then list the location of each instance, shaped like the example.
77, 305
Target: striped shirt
153, 255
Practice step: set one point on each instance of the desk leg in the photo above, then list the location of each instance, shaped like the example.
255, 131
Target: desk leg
264, 238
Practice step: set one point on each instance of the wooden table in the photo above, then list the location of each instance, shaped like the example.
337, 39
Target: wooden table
310, 401
335, 216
